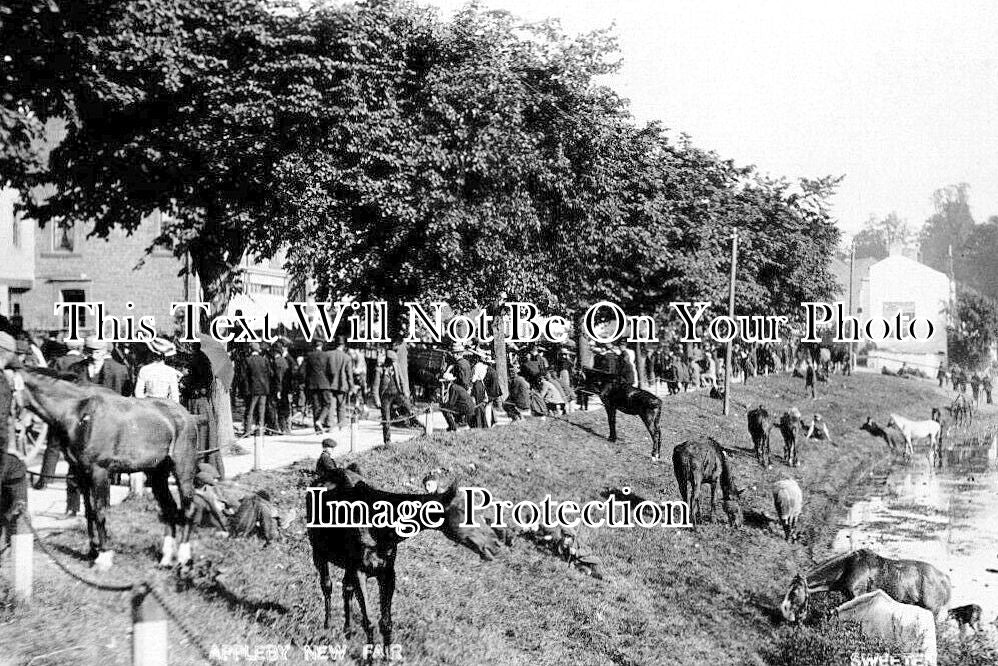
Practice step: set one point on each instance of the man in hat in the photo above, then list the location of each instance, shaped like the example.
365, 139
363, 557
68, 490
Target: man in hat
315, 372
73, 355
461, 366
99, 367
518, 400
156, 379
391, 392
459, 407
283, 384
340, 379
818, 429
257, 378
326, 463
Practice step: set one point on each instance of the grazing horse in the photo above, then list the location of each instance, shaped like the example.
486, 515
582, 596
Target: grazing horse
371, 551
616, 395
698, 462
879, 615
102, 432
789, 500
789, 426
907, 581
892, 435
916, 430
759, 426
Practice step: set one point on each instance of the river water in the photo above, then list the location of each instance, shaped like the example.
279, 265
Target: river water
947, 517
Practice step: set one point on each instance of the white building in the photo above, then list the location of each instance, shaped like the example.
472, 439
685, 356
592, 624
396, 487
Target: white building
899, 284
17, 254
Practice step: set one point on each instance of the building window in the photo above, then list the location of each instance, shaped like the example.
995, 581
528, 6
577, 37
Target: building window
269, 289
73, 296
63, 237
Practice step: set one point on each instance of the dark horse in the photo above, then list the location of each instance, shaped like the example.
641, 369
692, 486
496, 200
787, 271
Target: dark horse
861, 571
699, 462
616, 395
370, 551
101, 432
759, 426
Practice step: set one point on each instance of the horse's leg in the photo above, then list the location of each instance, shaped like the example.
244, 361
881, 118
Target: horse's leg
386, 588
697, 502
326, 585
159, 482
713, 499
348, 590
652, 424
99, 498
183, 471
611, 419
360, 581
84, 485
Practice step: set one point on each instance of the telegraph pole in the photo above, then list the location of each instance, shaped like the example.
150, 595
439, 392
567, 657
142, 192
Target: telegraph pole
852, 266
731, 313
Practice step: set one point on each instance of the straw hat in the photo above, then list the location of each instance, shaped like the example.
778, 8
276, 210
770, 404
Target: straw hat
161, 347
73, 343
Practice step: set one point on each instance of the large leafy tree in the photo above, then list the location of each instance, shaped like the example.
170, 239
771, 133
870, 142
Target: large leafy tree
877, 236
171, 105
980, 253
497, 165
402, 156
948, 230
971, 342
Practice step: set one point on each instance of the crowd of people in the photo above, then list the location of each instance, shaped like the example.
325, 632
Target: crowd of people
980, 382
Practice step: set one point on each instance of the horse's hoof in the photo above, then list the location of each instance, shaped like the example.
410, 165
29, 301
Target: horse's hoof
104, 561
184, 553
169, 547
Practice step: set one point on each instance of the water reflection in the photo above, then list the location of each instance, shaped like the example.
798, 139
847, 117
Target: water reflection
948, 517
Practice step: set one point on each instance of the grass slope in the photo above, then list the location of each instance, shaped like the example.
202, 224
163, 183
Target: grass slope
670, 597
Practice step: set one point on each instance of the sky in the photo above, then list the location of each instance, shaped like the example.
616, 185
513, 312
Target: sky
899, 97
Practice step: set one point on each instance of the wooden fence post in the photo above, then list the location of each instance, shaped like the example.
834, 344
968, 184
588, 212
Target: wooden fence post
22, 543
257, 447
429, 420
149, 640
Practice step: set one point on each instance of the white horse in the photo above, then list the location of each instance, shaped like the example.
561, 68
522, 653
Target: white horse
916, 430
879, 615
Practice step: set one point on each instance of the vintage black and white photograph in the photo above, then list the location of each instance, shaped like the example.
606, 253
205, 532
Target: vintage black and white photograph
472, 332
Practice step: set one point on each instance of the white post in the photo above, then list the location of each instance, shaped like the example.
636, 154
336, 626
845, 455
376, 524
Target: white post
429, 420
149, 640
136, 483
22, 543
257, 447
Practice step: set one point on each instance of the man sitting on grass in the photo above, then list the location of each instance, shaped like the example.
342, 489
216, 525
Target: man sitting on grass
818, 430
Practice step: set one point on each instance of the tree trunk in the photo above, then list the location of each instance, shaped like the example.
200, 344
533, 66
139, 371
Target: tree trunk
585, 347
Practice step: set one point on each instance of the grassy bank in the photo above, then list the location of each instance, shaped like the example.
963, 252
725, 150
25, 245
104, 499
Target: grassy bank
670, 596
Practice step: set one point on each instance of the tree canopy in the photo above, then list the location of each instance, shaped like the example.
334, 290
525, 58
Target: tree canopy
875, 239
396, 155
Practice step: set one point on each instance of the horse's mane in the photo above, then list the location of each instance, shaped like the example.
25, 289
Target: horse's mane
835, 560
